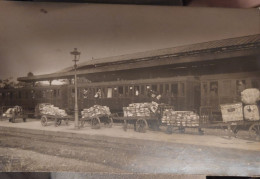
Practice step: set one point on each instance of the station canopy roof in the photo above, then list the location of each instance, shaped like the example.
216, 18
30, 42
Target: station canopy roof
232, 47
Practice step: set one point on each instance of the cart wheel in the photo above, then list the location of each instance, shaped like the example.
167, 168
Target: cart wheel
57, 122
125, 125
95, 123
44, 121
169, 129
109, 122
254, 131
141, 125
82, 123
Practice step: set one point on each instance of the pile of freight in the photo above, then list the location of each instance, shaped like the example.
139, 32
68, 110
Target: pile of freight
247, 110
140, 109
95, 111
49, 109
250, 97
180, 118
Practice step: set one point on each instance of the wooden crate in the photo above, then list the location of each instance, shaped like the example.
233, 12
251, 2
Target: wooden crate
232, 112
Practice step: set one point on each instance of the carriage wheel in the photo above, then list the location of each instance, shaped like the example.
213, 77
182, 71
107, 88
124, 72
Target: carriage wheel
125, 125
57, 122
141, 125
44, 121
109, 122
254, 131
95, 123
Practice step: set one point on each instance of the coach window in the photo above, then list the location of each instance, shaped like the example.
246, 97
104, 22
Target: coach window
131, 90
174, 89
121, 91
90, 92
115, 92
255, 84
213, 86
148, 89
226, 88
142, 90
204, 88
136, 90
181, 89
167, 89
240, 86
109, 93
161, 89
126, 91
154, 88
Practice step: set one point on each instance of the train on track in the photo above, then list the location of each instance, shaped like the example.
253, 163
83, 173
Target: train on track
184, 93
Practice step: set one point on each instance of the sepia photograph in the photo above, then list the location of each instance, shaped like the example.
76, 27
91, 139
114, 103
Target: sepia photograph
129, 89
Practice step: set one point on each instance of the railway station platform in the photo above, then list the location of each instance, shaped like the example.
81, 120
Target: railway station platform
212, 137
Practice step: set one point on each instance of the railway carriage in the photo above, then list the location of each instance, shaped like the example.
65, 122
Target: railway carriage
181, 92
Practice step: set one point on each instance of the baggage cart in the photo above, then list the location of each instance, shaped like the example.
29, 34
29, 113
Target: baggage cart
46, 118
96, 120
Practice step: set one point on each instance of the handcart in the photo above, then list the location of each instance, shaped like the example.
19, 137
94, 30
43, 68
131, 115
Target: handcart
141, 121
45, 118
13, 113
233, 120
96, 120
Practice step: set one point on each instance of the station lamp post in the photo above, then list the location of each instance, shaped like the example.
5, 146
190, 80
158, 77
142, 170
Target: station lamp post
75, 60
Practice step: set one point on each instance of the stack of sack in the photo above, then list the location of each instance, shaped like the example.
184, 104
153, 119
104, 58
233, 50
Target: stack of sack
180, 118
95, 111
49, 109
250, 97
140, 109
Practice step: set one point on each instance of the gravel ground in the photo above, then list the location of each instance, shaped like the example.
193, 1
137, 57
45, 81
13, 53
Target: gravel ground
27, 152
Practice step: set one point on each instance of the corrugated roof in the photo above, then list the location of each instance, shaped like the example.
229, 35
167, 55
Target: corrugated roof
193, 48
